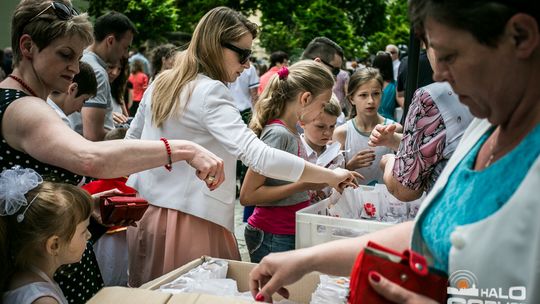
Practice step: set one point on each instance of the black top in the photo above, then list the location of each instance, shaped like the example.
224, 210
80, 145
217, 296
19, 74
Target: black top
10, 157
79, 281
425, 73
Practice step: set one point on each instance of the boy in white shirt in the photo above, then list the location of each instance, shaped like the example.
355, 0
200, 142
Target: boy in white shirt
317, 138
83, 87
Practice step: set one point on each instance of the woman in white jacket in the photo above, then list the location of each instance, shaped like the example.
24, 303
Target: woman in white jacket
187, 219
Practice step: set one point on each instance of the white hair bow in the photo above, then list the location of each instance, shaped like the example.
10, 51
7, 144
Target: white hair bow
14, 184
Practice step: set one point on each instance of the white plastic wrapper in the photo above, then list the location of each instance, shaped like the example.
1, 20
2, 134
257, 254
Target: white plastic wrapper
414, 206
396, 211
210, 278
331, 290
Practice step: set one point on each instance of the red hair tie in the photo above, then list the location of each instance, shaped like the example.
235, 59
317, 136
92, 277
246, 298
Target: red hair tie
283, 72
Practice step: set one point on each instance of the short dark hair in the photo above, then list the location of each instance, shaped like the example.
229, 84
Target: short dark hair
85, 80
112, 23
485, 20
278, 57
383, 62
323, 48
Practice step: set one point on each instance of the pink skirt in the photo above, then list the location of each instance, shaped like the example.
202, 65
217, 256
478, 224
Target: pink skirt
166, 239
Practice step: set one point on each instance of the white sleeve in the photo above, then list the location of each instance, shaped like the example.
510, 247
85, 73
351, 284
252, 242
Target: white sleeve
253, 78
224, 122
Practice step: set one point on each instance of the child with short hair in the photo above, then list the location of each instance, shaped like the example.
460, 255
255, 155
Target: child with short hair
43, 225
317, 140
364, 93
83, 87
297, 93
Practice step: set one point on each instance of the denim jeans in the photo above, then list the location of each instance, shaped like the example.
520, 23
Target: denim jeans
260, 243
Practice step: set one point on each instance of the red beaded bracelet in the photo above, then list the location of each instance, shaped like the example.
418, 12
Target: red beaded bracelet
169, 154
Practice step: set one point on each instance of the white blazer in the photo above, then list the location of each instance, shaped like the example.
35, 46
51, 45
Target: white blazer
211, 120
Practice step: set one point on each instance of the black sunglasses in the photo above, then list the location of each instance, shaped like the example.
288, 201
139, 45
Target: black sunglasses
243, 54
335, 70
62, 11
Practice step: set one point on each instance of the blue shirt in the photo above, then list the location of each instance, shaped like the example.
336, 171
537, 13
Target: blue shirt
470, 196
388, 101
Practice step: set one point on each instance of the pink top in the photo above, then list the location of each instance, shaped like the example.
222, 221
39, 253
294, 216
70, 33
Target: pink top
276, 220
263, 81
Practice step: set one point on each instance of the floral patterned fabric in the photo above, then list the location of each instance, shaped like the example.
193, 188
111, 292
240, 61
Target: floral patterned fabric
423, 143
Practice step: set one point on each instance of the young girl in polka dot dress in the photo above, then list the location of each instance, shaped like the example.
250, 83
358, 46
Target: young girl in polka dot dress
43, 225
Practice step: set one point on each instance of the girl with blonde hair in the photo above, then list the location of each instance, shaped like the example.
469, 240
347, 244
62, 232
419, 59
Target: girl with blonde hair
191, 101
294, 94
43, 226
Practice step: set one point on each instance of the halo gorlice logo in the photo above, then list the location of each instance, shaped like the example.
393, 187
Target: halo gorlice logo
463, 289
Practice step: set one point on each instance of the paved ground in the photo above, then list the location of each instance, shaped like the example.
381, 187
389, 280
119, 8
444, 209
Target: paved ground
239, 230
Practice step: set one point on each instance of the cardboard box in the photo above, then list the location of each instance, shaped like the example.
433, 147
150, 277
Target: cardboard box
300, 291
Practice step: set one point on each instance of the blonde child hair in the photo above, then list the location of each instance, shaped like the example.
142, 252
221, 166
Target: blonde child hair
303, 76
332, 107
52, 209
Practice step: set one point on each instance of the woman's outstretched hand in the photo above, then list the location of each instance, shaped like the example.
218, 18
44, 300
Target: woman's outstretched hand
344, 178
275, 271
209, 167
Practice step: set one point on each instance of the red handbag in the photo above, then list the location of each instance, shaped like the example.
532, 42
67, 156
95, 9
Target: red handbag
117, 208
408, 269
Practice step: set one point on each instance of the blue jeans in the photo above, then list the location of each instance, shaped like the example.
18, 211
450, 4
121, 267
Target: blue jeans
260, 243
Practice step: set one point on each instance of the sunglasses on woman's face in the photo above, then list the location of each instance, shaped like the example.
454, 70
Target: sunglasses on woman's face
243, 54
62, 11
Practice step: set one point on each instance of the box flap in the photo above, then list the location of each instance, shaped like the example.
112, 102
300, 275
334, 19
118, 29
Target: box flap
124, 295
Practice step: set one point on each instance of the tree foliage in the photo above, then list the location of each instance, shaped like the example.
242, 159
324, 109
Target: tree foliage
396, 31
153, 18
359, 26
324, 19
290, 24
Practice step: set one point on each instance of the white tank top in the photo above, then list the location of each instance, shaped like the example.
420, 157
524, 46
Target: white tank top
357, 141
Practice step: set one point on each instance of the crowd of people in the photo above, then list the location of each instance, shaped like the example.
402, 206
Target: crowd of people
191, 130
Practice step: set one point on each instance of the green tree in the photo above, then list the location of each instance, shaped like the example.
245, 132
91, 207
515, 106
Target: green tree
153, 18
191, 11
367, 16
324, 19
291, 24
396, 31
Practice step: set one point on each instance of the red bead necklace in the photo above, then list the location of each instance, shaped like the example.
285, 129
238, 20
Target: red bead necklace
23, 84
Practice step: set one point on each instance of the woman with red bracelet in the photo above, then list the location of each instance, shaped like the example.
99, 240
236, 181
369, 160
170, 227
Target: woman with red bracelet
191, 101
48, 40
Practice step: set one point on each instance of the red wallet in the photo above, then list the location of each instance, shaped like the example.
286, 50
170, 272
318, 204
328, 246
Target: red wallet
114, 209
408, 269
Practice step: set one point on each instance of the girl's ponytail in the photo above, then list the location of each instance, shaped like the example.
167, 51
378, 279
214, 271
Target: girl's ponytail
285, 86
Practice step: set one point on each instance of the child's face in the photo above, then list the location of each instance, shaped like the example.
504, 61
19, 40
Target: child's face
113, 71
75, 104
74, 250
320, 130
367, 98
314, 107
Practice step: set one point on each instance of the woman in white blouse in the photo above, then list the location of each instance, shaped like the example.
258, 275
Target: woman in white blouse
191, 101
